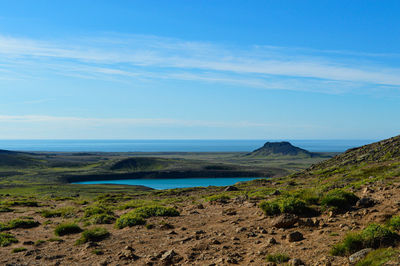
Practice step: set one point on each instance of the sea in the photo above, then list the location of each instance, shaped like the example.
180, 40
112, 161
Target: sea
171, 146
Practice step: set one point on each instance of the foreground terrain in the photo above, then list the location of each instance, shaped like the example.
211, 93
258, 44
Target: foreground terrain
318, 216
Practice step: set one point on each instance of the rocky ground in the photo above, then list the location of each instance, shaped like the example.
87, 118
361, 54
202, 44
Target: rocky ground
209, 233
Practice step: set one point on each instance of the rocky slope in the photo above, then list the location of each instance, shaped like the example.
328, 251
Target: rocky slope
226, 226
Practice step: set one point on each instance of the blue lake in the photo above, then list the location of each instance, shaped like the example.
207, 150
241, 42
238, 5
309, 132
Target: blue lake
174, 182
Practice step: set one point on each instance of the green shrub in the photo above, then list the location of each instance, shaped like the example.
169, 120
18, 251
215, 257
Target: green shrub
102, 219
373, 236
67, 229
26, 203
270, 207
96, 210
152, 211
339, 199
222, 198
378, 257
55, 239
19, 223
129, 219
95, 234
16, 250
285, 204
67, 212
7, 239
394, 223
277, 258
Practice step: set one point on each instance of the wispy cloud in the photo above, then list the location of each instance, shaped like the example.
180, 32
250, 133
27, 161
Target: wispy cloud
153, 122
150, 57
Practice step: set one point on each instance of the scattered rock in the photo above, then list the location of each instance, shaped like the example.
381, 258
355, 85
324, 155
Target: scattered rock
359, 255
229, 211
127, 254
295, 262
28, 243
365, 202
200, 206
295, 236
200, 232
241, 229
231, 188
285, 221
272, 241
170, 257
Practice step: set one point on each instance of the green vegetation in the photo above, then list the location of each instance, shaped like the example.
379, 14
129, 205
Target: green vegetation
18, 223
373, 236
67, 212
67, 229
394, 223
285, 204
378, 257
16, 250
138, 216
39, 242
7, 239
98, 252
338, 199
95, 234
6, 209
55, 239
277, 258
221, 198
99, 214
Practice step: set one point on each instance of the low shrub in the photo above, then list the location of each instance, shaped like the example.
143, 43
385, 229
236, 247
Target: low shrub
129, 219
96, 210
394, 223
338, 199
25, 203
18, 223
285, 204
7, 239
277, 258
6, 209
152, 211
95, 234
67, 212
102, 219
16, 250
373, 236
67, 229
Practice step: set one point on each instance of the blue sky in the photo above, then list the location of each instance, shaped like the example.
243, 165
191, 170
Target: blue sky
199, 69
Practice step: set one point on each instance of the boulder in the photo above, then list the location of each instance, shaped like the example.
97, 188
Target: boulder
295, 236
170, 257
365, 202
285, 221
359, 255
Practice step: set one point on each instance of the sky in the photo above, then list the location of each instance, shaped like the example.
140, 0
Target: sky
210, 69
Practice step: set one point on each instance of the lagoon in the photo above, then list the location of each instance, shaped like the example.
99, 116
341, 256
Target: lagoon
174, 182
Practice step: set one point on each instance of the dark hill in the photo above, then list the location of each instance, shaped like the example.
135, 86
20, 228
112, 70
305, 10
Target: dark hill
283, 148
140, 164
16, 159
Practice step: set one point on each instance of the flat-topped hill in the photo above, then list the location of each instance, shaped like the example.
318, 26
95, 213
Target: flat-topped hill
282, 148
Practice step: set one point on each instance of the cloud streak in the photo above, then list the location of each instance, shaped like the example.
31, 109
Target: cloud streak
150, 57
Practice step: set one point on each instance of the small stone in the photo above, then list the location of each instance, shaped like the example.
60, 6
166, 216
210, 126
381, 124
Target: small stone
170, 257
200, 232
28, 243
241, 229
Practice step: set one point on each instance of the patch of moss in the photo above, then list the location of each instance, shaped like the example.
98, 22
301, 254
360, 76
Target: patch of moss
67, 229
95, 234
277, 258
7, 239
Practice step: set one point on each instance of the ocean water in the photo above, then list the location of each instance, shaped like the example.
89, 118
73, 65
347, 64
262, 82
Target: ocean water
171, 145
174, 182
